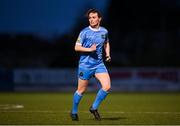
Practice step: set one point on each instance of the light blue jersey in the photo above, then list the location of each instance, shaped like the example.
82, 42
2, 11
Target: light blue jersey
92, 62
87, 38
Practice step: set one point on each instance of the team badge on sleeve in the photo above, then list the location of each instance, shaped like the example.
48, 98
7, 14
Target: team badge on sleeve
103, 36
78, 40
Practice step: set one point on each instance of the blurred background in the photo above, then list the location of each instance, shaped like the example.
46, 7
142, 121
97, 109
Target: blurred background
37, 40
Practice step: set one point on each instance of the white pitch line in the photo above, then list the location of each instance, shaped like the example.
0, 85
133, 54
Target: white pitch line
109, 112
10, 106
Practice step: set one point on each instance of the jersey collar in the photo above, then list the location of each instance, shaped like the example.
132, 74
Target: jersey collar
94, 29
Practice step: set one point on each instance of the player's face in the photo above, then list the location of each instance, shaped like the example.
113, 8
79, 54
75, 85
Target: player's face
94, 20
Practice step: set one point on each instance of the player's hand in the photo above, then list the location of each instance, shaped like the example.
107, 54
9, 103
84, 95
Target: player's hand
108, 59
93, 47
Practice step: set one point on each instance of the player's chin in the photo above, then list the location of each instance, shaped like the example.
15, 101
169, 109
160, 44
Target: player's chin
92, 25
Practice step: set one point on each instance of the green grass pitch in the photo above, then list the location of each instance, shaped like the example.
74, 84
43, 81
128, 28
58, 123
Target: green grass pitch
52, 108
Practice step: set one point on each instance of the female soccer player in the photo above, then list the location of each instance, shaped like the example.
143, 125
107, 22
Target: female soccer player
90, 44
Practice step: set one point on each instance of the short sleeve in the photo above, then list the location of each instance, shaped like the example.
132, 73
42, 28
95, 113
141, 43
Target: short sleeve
106, 38
80, 38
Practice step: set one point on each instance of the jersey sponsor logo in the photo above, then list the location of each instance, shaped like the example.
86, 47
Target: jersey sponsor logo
90, 37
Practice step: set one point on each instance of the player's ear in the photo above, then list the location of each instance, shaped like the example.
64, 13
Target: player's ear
100, 19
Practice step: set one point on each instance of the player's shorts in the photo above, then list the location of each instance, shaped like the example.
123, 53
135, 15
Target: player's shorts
86, 73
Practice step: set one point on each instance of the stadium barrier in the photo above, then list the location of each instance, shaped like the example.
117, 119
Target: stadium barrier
123, 79
6, 80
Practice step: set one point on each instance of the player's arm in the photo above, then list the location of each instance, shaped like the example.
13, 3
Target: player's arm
79, 48
107, 51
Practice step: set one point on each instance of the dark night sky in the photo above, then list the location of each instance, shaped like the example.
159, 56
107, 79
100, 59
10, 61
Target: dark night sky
43, 17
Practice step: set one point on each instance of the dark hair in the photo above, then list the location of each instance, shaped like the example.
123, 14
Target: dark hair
93, 11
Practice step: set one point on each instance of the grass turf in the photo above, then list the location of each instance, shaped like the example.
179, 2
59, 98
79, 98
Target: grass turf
118, 108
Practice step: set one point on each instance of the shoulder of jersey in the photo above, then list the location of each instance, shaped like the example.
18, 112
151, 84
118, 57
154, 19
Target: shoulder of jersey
85, 29
103, 29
